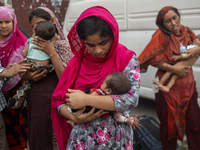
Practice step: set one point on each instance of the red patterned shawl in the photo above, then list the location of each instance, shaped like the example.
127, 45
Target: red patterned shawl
159, 50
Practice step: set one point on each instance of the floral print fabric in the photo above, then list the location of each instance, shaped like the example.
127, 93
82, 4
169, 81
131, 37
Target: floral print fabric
16, 122
106, 133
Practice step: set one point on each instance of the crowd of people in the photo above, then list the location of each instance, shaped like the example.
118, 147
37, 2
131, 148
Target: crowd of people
42, 80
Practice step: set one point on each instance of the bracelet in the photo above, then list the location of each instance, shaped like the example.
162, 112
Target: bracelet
164, 66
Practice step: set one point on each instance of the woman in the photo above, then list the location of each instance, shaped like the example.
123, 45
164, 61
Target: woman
40, 134
94, 42
177, 109
12, 43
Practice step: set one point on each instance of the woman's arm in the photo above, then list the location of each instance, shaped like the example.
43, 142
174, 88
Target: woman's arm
180, 71
129, 100
78, 99
14, 69
35, 76
79, 117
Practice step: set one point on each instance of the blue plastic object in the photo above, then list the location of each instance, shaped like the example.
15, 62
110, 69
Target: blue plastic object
182, 48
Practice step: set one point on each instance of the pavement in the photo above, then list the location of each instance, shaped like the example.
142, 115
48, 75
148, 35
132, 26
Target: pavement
147, 107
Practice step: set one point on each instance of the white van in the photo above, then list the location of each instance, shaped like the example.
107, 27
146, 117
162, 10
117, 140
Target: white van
136, 21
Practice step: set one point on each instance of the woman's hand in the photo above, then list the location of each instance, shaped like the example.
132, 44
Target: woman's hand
16, 68
176, 57
192, 52
81, 117
35, 76
181, 71
46, 46
76, 99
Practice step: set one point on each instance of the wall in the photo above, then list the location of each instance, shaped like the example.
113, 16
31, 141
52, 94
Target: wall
22, 9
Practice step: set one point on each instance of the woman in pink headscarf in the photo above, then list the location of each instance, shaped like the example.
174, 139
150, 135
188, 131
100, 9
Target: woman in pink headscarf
12, 43
11, 48
94, 40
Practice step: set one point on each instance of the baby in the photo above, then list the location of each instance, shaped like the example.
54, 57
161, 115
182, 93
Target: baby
115, 83
37, 58
187, 62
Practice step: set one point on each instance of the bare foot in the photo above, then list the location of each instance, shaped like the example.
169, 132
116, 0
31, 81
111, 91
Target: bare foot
156, 82
161, 86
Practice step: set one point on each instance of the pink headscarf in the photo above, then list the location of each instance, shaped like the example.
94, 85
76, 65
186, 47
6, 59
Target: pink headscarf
11, 48
84, 70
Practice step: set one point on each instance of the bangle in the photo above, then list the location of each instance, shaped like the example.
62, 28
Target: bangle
164, 66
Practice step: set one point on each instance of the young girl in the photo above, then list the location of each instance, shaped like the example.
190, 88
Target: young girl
94, 40
37, 58
115, 83
187, 62
12, 44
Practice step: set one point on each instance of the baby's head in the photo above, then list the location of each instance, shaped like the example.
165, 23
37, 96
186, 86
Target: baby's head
45, 30
116, 83
197, 40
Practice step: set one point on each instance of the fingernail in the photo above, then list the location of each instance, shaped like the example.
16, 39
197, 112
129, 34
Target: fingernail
69, 89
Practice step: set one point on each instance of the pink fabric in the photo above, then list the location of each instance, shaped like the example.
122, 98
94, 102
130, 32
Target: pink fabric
11, 48
84, 70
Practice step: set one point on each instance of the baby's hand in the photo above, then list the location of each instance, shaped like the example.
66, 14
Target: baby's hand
135, 122
19, 102
176, 57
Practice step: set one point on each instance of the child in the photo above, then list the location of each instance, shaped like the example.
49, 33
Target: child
114, 83
188, 62
37, 58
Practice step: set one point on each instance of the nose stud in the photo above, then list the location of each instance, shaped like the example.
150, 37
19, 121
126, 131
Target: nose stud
101, 50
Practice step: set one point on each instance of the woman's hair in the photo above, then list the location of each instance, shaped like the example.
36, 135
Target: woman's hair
39, 13
92, 25
45, 30
176, 11
119, 83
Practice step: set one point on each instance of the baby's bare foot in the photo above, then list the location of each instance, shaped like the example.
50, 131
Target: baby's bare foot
163, 88
156, 82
